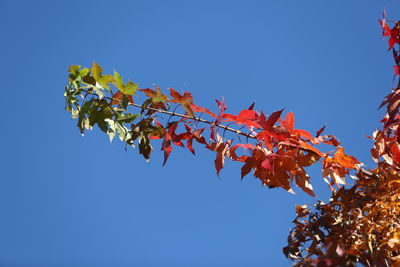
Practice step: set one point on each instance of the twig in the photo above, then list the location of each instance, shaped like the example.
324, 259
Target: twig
198, 119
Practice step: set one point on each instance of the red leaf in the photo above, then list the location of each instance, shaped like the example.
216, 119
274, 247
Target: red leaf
311, 148
246, 117
219, 161
196, 108
228, 117
185, 100
268, 163
319, 132
221, 105
303, 145
386, 31
288, 123
118, 96
272, 119
302, 133
395, 152
170, 135
189, 136
167, 148
248, 165
252, 106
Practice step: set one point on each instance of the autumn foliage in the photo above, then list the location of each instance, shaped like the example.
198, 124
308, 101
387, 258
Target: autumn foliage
359, 224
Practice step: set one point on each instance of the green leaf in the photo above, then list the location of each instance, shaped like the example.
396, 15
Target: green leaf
118, 81
102, 80
105, 80
127, 118
74, 69
111, 131
83, 72
116, 127
96, 70
122, 131
76, 73
130, 88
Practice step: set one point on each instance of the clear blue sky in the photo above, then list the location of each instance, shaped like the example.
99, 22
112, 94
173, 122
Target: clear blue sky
68, 200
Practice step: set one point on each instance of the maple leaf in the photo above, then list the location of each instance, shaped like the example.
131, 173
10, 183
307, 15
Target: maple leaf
268, 163
171, 136
247, 166
197, 108
393, 33
219, 161
288, 123
222, 148
272, 119
273, 136
101, 79
128, 89
190, 135
344, 160
185, 100
247, 117
303, 145
118, 97
156, 96
302, 133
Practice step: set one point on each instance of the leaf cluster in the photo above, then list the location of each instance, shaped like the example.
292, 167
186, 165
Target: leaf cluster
268, 146
360, 224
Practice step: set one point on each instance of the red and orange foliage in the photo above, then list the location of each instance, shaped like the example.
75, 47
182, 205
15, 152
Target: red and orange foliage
271, 147
359, 224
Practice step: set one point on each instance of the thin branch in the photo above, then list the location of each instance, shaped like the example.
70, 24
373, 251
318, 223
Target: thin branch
198, 119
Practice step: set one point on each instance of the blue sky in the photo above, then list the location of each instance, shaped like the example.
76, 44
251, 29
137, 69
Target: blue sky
68, 200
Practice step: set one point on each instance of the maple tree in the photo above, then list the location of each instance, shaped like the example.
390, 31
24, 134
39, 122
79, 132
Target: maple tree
359, 224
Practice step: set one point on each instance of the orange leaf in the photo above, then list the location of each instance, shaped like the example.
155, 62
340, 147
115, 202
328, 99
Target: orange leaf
311, 148
344, 160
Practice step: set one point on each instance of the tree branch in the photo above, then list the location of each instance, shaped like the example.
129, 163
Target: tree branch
248, 135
